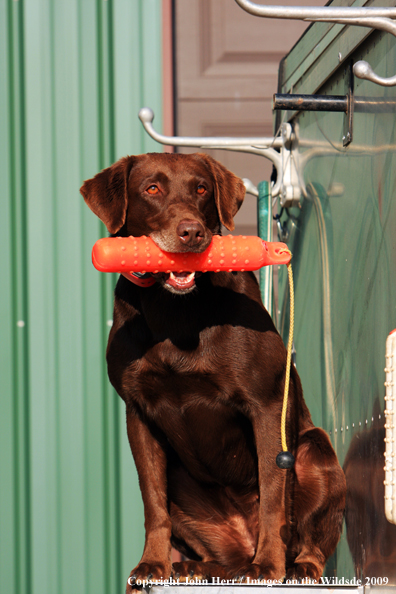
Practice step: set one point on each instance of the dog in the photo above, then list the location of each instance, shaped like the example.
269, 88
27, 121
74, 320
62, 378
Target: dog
201, 369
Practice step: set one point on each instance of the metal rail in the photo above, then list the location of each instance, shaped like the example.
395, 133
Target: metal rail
146, 116
290, 102
289, 162
379, 18
263, 146
310, 102
287, 185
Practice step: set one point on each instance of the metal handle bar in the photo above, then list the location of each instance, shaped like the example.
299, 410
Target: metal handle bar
375, 17
310, 13
289, 162
146, 116
258, 146
250, 187
363, 70
287, 185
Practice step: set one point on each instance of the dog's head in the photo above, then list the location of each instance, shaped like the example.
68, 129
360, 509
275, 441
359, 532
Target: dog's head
178, 200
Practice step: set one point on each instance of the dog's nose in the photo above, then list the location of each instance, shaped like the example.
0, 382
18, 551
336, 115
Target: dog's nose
191, 232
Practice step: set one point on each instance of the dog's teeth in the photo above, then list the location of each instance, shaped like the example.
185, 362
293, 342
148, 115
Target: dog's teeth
182, 279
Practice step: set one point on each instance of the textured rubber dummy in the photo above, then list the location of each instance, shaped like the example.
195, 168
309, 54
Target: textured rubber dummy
141, 254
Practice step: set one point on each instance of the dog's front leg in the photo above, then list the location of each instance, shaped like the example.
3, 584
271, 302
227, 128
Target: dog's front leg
150, 460
270, 558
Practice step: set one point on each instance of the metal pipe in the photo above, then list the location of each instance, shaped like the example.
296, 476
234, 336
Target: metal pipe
374, 17
313, 13
310, 102
146, 116
333, 103
374, 105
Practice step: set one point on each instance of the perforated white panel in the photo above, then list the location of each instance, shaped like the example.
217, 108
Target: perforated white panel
390, 431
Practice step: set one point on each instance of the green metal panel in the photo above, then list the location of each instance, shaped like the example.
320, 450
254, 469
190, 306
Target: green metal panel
72, 77
316, 56
344, 254
264, 224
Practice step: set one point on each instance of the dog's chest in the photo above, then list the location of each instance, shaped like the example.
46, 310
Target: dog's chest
198, 401
179, 376
212, 439
213, 442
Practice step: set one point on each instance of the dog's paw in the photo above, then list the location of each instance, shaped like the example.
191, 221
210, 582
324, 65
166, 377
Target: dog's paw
257, 573
145, 573
190, 571
304, 571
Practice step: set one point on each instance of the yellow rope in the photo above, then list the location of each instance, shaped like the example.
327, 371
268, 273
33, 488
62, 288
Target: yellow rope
288, 360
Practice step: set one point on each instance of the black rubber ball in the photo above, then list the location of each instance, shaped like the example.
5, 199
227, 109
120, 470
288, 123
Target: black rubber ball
285, 460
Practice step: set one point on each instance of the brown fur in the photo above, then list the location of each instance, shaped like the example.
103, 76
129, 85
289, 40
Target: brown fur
202, 371
371, 537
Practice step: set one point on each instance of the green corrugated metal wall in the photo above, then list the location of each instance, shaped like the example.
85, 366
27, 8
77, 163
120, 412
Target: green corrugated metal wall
73, 74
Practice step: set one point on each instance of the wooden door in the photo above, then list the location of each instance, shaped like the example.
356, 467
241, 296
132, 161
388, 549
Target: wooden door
226, 74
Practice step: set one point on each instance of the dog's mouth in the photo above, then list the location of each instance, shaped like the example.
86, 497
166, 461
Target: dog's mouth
180, 282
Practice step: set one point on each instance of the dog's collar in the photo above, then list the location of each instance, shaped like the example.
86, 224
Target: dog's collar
139, 279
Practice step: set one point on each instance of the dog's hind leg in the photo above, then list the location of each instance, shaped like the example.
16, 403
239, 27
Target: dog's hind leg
318, 504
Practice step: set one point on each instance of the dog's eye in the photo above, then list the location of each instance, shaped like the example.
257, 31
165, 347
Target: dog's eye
201, 189
153, 189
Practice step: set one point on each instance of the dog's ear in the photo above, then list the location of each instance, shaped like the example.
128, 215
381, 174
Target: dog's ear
229, 191
107, 193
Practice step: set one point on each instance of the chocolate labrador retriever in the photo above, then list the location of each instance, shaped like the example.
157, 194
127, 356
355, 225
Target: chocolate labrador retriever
201, 369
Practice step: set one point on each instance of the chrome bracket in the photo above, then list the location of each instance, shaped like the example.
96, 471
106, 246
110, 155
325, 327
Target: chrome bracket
287, 186
379, 18
291, 184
